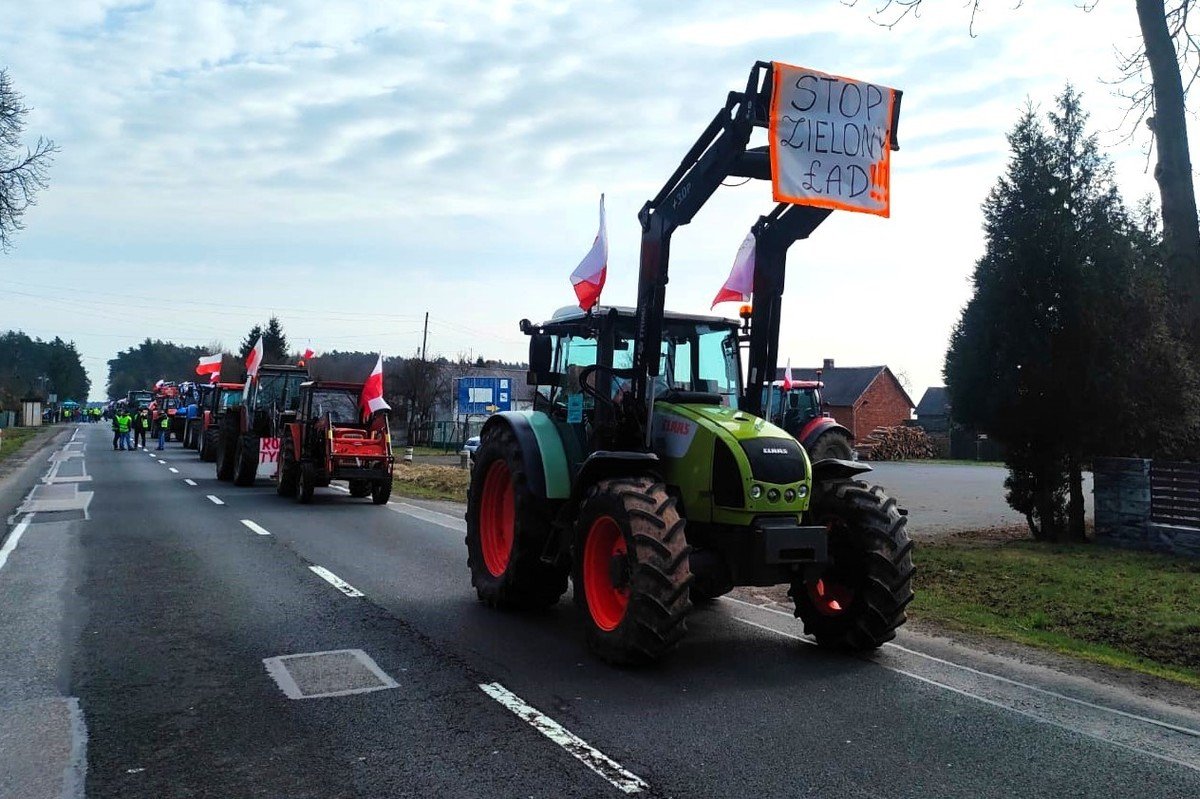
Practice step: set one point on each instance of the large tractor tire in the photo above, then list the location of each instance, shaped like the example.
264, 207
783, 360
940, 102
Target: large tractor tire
832, 444
246, 469
859, 600
631, 570
289, 469
381, 491
360, 488
226, 454
209, 444
507, 528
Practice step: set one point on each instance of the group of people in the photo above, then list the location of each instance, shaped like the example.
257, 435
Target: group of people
139, 426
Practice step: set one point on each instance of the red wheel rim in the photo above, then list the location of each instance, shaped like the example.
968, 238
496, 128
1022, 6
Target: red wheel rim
496, 518
605, 601
830, 598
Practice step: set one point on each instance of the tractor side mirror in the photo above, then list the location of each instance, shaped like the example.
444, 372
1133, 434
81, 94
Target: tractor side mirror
541, 356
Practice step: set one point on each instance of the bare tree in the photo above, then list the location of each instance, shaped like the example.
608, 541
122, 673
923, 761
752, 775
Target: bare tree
22, 168
1170, 53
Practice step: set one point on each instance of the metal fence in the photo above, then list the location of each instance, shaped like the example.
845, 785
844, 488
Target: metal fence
1175, 493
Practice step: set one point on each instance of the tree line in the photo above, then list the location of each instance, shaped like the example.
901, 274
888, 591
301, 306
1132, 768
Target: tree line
30, 366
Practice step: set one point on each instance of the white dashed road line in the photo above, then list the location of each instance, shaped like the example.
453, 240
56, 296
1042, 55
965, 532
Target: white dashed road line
215, 500
591, 757
172, 470
335, 581
189, 481
255, 527
13, 538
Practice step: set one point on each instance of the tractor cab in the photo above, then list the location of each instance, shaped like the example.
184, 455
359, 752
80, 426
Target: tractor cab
796, 406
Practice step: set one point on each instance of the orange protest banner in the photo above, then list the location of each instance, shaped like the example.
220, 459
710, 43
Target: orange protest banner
830, 141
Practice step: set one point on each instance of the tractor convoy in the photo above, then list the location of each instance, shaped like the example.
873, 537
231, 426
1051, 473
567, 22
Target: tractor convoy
645, 471
660, 465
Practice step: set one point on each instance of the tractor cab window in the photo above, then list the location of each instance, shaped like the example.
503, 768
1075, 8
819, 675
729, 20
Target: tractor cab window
230, 396
340, 404
717, 365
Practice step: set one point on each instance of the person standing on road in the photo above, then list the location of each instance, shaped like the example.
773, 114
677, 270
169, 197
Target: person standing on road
164, 424
116, 432
124, 422
141, 426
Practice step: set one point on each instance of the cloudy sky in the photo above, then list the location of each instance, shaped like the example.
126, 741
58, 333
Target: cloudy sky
349, 166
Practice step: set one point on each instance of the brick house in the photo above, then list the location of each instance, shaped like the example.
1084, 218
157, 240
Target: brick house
860, 397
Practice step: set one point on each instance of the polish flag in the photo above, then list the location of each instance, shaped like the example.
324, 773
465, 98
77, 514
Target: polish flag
159, 384
787, 376
215, 377
740, 284
254, 360
209, 364
308, 353
372, 392
588, 278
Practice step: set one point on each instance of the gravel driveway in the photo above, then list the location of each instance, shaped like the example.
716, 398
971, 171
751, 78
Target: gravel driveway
944, 498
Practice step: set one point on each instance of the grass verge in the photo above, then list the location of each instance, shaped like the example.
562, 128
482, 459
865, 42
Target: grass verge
431, 482
425, 451
1132, 610
13, 438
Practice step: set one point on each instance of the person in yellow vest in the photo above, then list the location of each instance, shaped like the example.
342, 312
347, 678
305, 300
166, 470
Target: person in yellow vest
164, 424
123, 423
141, 428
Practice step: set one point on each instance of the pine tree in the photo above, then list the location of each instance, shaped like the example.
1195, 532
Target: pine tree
275, 343
251, 339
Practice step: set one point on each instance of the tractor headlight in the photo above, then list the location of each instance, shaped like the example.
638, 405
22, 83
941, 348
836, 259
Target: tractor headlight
789, 496
802, 491
773, 495
755, 491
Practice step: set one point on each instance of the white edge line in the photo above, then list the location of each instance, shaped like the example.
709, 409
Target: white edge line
75, 773
172, 470
13, 538
1027, 714
255, 527
426, 515
998, 677
591, 757
189, 481
335, 581
215, 500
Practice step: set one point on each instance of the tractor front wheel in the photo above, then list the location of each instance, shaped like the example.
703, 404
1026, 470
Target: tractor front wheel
631, 570
289, 469
226, 454
307, 483
859, 600
507, 528
381, 491
247, 460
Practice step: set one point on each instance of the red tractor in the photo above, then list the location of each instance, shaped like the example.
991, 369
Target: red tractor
215, 398
801, 412
326, 438
166, 401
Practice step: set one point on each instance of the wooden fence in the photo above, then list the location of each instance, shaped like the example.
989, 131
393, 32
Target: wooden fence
1175, 493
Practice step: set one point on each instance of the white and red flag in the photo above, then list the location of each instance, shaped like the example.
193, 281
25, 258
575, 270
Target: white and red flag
372, 392
739, 286
588, 278
308, 353
208, 364
254, 360
215, 377
787, 376
159, 384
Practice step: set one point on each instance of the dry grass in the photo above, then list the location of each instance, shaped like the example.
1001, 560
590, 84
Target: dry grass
431, 482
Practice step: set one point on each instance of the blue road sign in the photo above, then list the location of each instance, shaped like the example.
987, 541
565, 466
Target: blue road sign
478, 396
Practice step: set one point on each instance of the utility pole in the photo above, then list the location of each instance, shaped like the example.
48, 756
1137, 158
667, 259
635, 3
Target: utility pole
425, 336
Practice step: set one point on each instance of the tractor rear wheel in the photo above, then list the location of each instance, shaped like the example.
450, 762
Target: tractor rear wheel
247, 460
507, 528
832, 445
381, 492
307, 483
289, 469
209, 445
359, 488
631, 570
859, 600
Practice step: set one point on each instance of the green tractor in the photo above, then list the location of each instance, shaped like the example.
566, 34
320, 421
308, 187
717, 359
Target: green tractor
645, 471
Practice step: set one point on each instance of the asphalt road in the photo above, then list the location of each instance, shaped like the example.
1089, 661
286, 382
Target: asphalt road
138, 635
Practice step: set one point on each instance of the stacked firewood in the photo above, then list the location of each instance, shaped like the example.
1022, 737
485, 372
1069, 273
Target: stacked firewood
896, 444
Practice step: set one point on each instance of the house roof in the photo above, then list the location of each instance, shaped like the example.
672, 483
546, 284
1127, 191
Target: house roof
935, 402
844, 385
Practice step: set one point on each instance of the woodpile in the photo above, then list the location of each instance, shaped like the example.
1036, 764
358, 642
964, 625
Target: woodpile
896, 444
